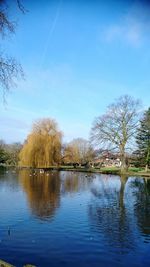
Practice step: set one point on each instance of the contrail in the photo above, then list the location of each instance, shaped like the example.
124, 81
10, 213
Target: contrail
50, 32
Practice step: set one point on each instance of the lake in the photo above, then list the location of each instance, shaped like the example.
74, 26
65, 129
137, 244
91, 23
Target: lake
74, 219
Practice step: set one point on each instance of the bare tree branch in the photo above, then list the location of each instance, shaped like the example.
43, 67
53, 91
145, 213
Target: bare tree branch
10, 69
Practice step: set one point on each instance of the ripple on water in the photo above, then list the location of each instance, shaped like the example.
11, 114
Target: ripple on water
68, 219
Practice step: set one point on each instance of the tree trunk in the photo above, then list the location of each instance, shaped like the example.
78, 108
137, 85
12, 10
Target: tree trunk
123, 165
146, 168
147, 160
123, 160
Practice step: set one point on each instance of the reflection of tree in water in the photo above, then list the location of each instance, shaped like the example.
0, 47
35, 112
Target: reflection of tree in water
142, 203
108, 213
73, 182
43, 192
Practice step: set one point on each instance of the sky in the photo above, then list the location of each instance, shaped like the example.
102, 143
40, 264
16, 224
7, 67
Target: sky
78, 57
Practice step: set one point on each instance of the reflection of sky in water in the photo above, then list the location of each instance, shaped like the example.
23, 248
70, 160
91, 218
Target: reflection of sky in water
73, 218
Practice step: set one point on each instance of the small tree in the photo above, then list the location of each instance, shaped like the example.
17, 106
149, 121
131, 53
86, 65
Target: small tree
117, 127
143, 139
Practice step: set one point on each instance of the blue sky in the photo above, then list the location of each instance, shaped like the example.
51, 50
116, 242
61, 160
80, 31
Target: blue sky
78, 56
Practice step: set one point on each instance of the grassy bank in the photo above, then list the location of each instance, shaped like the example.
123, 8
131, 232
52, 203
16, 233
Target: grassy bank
116, 171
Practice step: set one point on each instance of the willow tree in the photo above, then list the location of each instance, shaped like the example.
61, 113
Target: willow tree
43, 145
117, 127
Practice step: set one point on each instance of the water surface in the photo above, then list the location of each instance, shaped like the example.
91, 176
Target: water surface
74, 219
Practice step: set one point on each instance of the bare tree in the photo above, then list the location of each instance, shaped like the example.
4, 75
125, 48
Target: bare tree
117, 127
10, 69
78, 151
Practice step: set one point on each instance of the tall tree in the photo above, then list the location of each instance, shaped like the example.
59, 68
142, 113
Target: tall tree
43, 145
117, 127
143, 139
10, 69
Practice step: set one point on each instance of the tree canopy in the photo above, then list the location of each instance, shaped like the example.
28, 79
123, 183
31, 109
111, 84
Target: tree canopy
9, 153
3, 154
43, 145
143, 139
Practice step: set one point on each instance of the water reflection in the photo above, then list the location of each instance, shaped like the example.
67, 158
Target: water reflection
43, 192
116, 207
106, 218
142, 204
9, 179
73, 182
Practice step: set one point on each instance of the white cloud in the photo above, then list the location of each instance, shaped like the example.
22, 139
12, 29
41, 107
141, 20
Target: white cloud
126, 31
132, 28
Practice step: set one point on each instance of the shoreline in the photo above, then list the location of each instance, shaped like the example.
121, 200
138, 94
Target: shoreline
110, 171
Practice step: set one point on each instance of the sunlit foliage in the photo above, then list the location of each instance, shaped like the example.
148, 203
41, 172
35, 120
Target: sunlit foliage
43, 145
